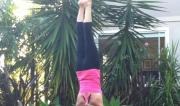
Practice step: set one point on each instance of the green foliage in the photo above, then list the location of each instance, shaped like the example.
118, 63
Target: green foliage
55, 103
125, 50
57, 40
8, 33
112, 102
166, 92
2, 101
43, 103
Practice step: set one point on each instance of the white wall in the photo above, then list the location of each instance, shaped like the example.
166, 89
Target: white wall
171, 18
174, 34
172, 8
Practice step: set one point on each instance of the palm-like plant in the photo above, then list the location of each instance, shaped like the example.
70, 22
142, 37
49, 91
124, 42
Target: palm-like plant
57, 43
126, 50
8, 36
8, 47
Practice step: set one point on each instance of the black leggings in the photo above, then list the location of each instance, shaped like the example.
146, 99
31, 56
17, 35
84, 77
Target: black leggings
87, 54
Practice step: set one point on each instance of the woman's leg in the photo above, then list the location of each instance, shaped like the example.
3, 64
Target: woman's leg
80, 35
91, 53
80, 46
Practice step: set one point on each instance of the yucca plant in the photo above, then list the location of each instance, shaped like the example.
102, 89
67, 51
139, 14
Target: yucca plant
125, 49
166, 92
57, 41
8, 36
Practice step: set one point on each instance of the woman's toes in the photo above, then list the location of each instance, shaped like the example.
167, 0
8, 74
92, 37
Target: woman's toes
82, 2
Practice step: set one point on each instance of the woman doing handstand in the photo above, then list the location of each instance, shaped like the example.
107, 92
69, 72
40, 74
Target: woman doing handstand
88, 68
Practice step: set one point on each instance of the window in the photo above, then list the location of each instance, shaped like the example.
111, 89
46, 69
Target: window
154, 42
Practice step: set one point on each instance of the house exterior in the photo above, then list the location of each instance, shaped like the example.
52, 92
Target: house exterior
162, 36
171, 20
166, 33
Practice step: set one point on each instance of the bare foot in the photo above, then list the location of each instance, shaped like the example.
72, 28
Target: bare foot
89, 3
82, 2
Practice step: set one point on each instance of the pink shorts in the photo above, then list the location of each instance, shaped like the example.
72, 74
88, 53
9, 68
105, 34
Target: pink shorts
89, 81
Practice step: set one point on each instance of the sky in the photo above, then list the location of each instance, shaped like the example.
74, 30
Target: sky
1, 61
22, 8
